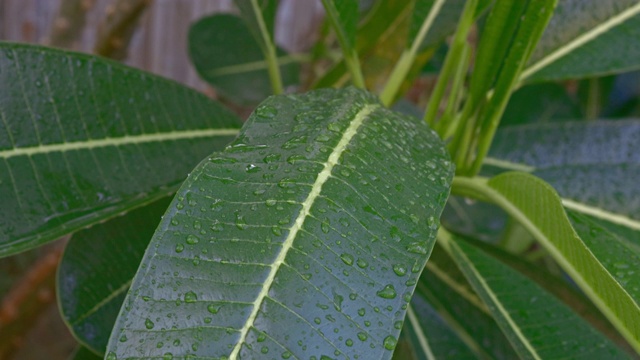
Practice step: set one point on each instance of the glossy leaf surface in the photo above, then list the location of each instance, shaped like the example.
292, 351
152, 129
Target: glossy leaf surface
593, 166
538, 325
533, 202
305, 237
96, 271
227, 56
587, 38
447, 290
83, 139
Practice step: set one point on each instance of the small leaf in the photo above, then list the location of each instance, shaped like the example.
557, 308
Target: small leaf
227, 56
587, 38
319, 216
83, 139
97, 268
538, 325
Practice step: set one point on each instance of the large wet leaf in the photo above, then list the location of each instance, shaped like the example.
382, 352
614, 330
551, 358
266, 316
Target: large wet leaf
83, 139
96, 271
587, 38
227, 55
538, 325
305, 237
593, 166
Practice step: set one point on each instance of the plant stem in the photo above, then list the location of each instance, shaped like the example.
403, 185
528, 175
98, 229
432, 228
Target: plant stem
349, 52
117, 28
269, 51
449, 120
407, 58
451, 61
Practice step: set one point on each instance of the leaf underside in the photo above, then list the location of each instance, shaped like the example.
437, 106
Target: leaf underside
305, 237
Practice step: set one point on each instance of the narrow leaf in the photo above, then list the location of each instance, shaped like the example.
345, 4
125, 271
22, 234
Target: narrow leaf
538, 325
587, 38
97, 268
298, 240
446, 289
532, 202
227, 56
83, 139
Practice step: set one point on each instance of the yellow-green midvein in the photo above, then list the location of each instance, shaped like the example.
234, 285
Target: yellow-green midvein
323, 176
119, 141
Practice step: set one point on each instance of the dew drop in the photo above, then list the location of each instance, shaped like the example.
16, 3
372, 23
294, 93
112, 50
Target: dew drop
111, 356
399, 269
148, 324
362, 263
389, 292
213, 308
270, 202
363, 336
264, 350
179, 248
286, 355
271, 158
390, 342
325, 226
417, 248
347, 259
190, 297
266, 111
252, 168
192, 239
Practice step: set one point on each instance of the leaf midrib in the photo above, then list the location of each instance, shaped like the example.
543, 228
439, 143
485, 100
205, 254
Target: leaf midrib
580, 40
118, 141
316, 189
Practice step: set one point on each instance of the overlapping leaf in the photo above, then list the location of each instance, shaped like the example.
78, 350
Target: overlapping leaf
83, 139
228, 56
97, 268
538, 325
305, 237
587, 38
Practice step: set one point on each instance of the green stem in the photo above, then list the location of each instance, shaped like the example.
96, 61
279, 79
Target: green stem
269, 51
450, 119
349, 52
451, 61
407, 58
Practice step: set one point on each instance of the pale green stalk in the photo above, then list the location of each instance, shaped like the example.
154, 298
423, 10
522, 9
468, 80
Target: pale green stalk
269, 51
408, 56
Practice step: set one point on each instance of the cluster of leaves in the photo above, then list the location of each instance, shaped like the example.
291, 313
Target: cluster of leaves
313, 230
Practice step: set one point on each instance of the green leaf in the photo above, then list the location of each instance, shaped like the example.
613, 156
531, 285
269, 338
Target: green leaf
540, 103
538, 325
83, 139
259, 15
428, 336
343, 16
97, 268
593, 166
306, 236
532, 202
587, 38
445, 288
227, 56
617, 247
82, 353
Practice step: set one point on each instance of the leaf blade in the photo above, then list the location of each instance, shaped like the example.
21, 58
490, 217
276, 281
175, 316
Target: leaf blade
68, 154
303, 240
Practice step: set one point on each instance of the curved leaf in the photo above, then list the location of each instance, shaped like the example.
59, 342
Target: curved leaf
97, 268
593, 166
227, 56
533, 202
305, 237
83, 139
587, 38
538, 325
